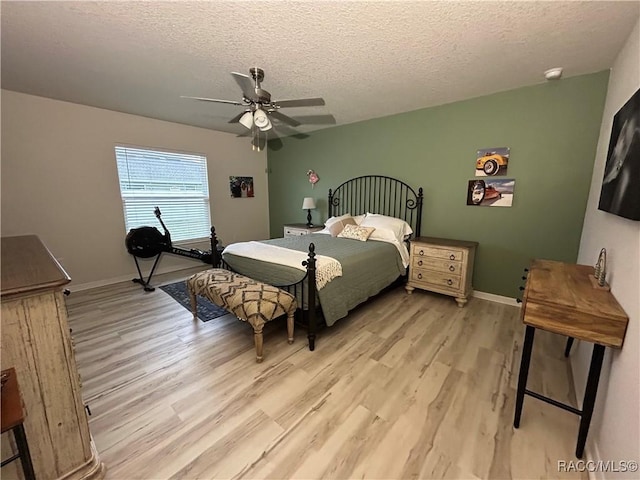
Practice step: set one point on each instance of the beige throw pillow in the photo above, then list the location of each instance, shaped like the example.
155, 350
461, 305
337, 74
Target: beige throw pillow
336, 228
356, 233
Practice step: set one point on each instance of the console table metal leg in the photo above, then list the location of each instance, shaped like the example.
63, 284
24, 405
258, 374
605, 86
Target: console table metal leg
25, 455
524, 373
589, 397
567, 349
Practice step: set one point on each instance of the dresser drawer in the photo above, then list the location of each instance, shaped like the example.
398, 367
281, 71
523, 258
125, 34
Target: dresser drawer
435, 278
435, 252
437, 264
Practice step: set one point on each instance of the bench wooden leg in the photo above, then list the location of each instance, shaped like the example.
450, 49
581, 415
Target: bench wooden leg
257, 336
290, 327
194, 304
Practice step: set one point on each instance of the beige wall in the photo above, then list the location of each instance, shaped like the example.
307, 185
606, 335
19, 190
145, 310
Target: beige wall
615, 429
59, 181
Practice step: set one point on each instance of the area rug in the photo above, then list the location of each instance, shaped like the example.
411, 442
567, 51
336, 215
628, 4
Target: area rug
206, 310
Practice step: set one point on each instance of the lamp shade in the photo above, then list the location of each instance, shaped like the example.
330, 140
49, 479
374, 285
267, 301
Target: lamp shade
308, 203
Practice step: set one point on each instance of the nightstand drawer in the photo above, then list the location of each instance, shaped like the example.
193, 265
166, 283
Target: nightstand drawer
288, 232
296, 229
445, 253
438, 264
435, 278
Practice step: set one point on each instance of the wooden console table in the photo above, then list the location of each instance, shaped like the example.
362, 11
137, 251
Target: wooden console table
560, 298
36, 342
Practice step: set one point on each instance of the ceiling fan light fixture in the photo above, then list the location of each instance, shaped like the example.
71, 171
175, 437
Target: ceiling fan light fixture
261, 120
247, 120
267, 126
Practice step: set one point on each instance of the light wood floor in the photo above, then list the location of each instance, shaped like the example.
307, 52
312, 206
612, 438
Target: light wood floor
404, 387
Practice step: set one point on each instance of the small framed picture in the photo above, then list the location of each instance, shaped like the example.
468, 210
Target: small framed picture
491, 162
491, 193
241, 187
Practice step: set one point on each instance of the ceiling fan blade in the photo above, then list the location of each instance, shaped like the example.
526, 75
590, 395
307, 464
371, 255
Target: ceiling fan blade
202, 99
246, 84
283, 118
289, 132
316, 119
237, 118
301, 102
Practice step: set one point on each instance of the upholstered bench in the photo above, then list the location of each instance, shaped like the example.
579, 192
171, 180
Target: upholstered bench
249, 300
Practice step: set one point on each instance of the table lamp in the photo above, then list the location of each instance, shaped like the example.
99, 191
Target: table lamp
309, 204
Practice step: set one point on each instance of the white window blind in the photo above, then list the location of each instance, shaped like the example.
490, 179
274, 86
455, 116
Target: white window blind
175, 182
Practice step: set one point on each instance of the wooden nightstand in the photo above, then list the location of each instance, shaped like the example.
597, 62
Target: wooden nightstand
442, 265
295, 229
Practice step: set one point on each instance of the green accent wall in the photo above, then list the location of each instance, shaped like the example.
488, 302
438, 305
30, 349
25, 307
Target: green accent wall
552, 130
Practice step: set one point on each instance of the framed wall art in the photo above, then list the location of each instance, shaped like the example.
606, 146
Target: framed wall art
241, 187
492, 162
491, 193
620, 193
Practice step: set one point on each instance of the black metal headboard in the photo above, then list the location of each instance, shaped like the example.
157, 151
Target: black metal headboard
378, 194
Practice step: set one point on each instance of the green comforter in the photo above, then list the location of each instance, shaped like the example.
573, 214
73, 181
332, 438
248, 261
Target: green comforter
367, 267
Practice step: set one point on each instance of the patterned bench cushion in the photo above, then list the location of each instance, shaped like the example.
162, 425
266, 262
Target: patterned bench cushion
249, 300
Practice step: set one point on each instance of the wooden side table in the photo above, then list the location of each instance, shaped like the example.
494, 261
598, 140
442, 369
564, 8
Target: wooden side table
13, 419
560, 298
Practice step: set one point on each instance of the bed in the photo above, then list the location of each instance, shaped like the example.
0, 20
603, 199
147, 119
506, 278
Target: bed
306, 265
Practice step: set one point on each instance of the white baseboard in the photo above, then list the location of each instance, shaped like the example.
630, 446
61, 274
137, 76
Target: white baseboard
124, 278
496, 298
592, 455
127, 278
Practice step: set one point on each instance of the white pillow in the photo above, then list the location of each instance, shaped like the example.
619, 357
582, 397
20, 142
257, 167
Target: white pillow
399, 227
384, 234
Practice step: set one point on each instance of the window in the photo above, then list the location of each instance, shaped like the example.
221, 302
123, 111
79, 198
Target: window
175, 182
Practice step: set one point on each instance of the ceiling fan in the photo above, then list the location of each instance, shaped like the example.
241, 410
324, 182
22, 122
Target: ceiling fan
260, 110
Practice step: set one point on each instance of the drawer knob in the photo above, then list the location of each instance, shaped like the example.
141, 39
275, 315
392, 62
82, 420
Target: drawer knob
449, 282
521, 288
452, 268
420, 262
524, 278
452, 257
518, 300
420, 276
421, 252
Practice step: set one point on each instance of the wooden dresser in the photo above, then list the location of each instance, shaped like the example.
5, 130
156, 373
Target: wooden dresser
36, 341
442, 265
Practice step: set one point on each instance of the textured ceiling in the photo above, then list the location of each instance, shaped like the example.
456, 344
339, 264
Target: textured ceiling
366, 59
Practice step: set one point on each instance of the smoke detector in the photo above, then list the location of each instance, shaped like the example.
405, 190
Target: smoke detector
553, 73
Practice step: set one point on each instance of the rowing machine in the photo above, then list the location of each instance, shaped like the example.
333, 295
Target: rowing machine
148, 242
